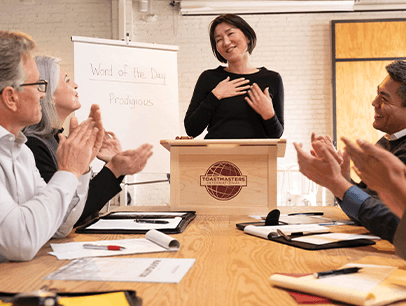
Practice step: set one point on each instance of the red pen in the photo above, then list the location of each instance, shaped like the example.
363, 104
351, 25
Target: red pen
103, 247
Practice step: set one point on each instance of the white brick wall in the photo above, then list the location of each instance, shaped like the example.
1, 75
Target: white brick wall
52, 23
298, 46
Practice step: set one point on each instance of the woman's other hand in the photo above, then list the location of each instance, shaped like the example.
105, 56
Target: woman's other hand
261, 102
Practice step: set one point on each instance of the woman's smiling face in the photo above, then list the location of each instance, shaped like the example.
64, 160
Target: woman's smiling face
231, 42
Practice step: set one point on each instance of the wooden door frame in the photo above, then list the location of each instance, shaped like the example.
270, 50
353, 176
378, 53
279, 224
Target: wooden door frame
336, 60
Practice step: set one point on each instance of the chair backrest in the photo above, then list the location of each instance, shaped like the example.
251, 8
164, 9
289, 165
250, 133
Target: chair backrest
297, 182
300, 190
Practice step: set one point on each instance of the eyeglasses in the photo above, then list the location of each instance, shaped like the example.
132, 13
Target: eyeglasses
41, 85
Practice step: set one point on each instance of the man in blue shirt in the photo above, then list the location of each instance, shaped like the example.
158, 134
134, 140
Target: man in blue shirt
386, 174
332, 170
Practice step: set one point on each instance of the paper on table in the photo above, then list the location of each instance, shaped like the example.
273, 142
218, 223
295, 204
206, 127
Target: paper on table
154, 242
308, 219
358, 288
332, 237
264, 231
151, 270
131, 224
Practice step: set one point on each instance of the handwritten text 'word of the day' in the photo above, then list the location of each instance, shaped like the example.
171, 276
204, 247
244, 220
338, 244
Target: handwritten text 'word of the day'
126, 71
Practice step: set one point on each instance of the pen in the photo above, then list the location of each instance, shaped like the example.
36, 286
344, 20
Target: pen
314, 213
103, 247
152, 221
337, 272
280, 233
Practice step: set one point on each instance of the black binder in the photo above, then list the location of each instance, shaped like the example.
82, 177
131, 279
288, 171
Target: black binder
333, 245
187, 217
310, 246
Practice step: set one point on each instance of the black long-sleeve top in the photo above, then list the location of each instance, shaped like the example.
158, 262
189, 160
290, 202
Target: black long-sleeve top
233, 118
102, 187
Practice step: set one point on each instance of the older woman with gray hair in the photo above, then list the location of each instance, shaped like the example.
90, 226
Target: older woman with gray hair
60, 101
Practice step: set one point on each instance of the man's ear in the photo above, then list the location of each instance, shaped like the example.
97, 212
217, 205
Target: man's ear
10, 98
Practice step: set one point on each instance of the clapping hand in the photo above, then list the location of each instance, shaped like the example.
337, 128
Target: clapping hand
381, 171
130, 161
110, 147
75, 152
341, 157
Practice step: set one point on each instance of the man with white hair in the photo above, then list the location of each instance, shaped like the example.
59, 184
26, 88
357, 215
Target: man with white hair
31, 211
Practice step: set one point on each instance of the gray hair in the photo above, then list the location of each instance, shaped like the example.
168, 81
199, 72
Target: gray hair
397, 71
13, 46
49, 70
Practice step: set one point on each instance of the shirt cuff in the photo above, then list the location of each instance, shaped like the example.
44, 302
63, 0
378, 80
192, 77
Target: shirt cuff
352, 201
399, 240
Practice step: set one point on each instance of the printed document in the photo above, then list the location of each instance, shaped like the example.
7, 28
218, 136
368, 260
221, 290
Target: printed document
146, 270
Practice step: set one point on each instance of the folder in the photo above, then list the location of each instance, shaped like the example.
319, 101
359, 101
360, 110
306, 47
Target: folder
136, 222
119, 298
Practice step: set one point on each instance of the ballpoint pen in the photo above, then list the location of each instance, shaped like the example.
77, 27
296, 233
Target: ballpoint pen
103, 247
280, 233
337, 272
152, 221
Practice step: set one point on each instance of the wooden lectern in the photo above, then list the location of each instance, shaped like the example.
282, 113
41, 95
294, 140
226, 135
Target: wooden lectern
232, 176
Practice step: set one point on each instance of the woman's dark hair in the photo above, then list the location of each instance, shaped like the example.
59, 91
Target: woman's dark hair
237, 22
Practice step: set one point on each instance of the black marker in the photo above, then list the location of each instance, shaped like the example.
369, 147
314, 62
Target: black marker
337, 272
152, 221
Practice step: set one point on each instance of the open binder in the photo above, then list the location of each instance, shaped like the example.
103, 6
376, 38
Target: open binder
333, 245
135, 222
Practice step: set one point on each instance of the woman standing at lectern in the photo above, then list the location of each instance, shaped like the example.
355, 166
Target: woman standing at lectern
61, 99
238, 100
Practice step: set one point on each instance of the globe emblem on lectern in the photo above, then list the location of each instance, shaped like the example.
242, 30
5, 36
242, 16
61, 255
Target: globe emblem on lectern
223, 180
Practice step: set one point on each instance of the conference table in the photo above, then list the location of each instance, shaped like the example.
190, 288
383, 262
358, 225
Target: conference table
231, 268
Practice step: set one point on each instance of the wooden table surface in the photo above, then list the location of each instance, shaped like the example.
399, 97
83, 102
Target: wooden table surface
231, 268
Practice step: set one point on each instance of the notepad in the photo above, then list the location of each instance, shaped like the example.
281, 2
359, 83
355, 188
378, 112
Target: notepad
369, 286
269, 232
153, 242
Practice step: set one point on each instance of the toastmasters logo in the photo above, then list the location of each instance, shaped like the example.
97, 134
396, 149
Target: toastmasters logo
223, 180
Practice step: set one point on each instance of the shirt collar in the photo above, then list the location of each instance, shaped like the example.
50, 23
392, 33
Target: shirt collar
396, 135
20, 138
